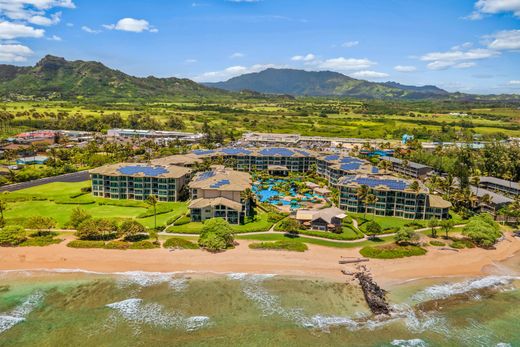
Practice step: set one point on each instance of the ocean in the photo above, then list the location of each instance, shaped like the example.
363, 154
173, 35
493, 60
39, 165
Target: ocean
80, 308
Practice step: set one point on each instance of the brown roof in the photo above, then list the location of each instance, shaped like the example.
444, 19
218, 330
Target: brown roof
202, 202
179, 159
438, 202
172, 171
221, 178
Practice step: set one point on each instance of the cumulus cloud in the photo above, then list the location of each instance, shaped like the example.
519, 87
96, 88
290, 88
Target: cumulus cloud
14, 53
27, 9
405, 68
54, 38
349, 44
232, 71
132, 25
9, 31
456, 58
346, 64
237, 55
514, 82
90, 30
308, 57
484, 7
190, 61
45, 21
504, 40
369, 74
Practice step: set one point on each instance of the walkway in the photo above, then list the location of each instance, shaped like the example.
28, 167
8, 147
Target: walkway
70, 177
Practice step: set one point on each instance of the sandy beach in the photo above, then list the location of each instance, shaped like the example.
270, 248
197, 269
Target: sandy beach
318, 261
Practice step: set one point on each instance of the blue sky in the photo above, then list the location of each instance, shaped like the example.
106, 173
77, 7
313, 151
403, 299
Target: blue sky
465, 45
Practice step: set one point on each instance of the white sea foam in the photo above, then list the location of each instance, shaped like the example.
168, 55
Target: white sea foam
147, 279
503, 344
19, 313
409, 343
135, 312
444, 291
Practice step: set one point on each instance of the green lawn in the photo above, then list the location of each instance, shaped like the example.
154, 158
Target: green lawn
260, 224
280, 237
389, 224
42, 201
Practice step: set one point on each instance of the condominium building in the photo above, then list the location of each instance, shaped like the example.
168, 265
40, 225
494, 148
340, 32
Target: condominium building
158, 136
218, 193
408, 168
334, 166
394, 197
500, 185
139, 181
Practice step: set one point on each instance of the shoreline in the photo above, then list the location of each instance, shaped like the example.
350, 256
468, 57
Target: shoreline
318, 262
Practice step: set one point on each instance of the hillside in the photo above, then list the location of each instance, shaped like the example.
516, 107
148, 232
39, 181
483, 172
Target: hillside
56, 78
323, 83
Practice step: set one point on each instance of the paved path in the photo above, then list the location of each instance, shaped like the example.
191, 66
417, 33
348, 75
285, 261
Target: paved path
70, 177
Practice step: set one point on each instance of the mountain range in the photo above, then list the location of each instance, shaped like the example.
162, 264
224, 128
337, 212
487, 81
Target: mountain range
56, 78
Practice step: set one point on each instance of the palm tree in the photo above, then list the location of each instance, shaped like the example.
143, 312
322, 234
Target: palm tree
370, 199
153, 200
448, 184
434, 181
249, 196
361, 193
475, 180
433, 223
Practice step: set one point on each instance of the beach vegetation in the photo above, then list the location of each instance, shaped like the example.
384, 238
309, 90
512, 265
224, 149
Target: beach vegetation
40, 223
78, 216
406, 236
143, 244
482, 230
289, 225
131, 230
179, 243
216, 235
86, 244
437, 243
97, 229
12, 235
392, 251
286, 245
373, 228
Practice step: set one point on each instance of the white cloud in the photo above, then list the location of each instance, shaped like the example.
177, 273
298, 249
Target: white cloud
45, 21
515, 82
70, 25
504, 40
9, 30
232, 71
405, 68
465, 65
132, 25
483, 7
190, 61
90, 30
465, 45
307, 58
346, 64
237, 55
14, 53
456, 58
54, 38
369, 74
26, 9
349, 44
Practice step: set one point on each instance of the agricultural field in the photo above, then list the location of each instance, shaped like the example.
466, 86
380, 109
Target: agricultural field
323, 117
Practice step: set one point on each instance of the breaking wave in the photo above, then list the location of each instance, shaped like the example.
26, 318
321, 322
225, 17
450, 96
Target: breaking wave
409, 343
20, 312
137, 313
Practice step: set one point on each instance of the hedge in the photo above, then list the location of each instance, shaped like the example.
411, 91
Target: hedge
293, 246
86, 244
391, 251
143, 245
177, 242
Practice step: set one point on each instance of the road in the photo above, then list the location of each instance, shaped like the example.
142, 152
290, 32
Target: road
70, 177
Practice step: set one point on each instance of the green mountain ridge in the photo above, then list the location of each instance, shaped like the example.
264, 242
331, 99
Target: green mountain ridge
56, 78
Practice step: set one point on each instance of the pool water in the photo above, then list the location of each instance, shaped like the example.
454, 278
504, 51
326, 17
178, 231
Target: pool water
275, 197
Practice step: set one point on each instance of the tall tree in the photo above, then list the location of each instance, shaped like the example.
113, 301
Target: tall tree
152, 200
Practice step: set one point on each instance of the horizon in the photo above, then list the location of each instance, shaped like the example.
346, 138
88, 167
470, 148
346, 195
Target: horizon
478, 53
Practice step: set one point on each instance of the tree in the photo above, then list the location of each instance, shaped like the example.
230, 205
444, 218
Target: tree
370, 200
482, 230
433, 223
78, 216
249, 196
3, 207
372, 229
406, 235
131, 228
153, 200
290, 225
96, 229
12, 235
475, 180
154, 235
216, 235
41, 223
362, 193
446, 225
414, 186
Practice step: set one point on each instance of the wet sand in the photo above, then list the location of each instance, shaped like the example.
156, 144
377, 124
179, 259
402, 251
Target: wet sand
317, 262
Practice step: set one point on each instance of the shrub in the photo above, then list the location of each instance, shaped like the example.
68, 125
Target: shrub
289, 225
143, 245
78, 216
12, 235
391, 251
177, 242
294, 246
182, 220
373, 228
131, 228
40, 241
86, 244
117, 245
216, 235
96, 229
460, 244
274, 217
482, 230
405, 236
40, 223
437, 243
457, 245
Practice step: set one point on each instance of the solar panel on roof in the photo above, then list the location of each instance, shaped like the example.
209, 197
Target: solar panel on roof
203, 151
331, 157
219, 184
350, 166
374, 170
350, 160
302, 152
151, 171
205, 175
235, 151
277, 152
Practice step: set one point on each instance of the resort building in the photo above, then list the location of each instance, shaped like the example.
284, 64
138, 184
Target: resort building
394, 197
218, 193
500, 185
334, 166
327, 219
158, 136
139, 181
408, 168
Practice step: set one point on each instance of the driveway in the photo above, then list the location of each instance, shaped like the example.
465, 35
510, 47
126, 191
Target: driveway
70, 177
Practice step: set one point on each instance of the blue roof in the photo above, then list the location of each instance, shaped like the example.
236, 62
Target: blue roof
203, 151
150, 171
351, 160
351, 166
205, 175
331, 157
393, 184
235, 151
276, 151
219, 184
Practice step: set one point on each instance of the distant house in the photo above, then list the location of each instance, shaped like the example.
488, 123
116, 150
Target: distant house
35, 160
328, 219
408, 168
500, 185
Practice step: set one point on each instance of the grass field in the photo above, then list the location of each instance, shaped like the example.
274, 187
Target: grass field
389, 224
45, 200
